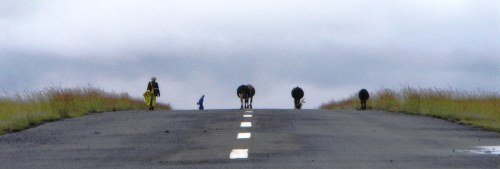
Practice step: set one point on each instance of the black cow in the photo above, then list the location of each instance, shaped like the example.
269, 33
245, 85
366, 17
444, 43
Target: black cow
363, 96
297, 94
246, 93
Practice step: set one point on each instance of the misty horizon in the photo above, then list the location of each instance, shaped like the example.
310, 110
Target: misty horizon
331, 49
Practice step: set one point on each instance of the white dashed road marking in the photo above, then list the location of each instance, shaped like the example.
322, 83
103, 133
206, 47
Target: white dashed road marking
246, 124
238, 154
244, 135
242, 153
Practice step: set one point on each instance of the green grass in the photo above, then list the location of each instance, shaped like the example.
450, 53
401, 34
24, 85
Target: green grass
481, 109
19, 112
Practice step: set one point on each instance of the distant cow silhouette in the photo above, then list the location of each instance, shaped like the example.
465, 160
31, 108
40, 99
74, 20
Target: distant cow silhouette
246, 93
363, 97
297, 94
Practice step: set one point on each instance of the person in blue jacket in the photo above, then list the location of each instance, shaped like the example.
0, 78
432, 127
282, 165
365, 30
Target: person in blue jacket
200, 102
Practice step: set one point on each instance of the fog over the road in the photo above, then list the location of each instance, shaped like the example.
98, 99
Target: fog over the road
330, 48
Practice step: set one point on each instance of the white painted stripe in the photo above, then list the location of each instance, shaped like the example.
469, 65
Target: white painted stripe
494, 150
247, 115
238, 154
246, 124
489, 150
249, 111
244, 135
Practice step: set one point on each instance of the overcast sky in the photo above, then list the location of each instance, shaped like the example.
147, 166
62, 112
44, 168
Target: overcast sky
330, 48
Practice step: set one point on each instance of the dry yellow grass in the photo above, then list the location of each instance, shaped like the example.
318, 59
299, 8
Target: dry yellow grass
480, 109
19, 112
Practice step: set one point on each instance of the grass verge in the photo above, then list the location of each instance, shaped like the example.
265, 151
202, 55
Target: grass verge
20, 112
480, 109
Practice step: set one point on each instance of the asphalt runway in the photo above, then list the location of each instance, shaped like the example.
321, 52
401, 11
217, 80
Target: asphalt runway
251, 139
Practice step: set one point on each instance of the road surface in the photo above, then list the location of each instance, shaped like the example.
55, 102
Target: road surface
278, 139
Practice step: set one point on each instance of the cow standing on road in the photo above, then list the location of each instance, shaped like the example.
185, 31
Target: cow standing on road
298, 94
246, 93
363, 97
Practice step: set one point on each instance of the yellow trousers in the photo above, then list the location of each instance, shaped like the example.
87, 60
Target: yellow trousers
149, 98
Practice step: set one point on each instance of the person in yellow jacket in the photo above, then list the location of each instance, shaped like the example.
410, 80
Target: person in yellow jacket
152, 92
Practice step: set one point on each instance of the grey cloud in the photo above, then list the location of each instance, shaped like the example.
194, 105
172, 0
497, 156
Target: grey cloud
195, 47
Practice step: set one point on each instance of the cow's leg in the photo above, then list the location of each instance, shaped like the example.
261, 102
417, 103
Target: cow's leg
241, 100
251, 100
